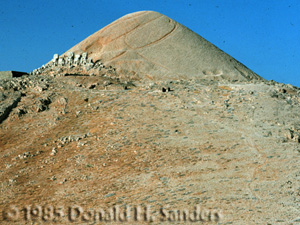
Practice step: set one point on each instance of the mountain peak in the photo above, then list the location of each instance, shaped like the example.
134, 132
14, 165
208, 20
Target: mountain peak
147, 44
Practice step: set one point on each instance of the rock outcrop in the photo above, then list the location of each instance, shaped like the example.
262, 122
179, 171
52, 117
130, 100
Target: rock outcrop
8, 104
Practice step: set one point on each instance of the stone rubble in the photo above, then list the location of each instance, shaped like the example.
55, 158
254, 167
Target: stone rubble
74, 64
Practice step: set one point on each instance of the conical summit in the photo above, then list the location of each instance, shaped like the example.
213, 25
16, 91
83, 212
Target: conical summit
150, 45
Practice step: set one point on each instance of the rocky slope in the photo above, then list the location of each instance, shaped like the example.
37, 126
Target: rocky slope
87, 141
72, 137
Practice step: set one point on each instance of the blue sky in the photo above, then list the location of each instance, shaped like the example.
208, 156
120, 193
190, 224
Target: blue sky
264, 35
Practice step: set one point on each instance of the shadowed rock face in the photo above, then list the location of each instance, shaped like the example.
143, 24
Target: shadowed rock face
150, 45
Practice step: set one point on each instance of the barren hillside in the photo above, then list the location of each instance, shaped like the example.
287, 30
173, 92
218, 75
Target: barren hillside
90, 135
